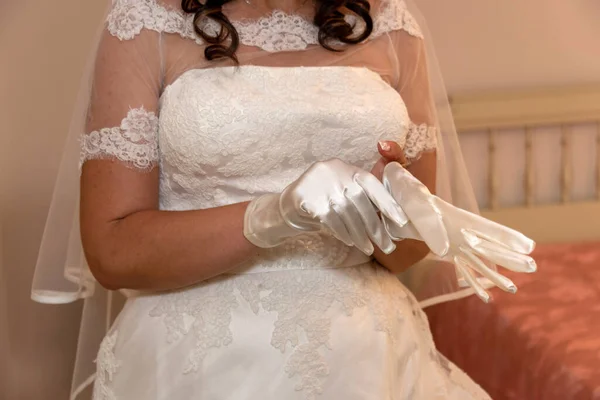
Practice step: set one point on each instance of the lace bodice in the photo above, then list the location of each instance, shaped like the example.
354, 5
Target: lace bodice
222, 149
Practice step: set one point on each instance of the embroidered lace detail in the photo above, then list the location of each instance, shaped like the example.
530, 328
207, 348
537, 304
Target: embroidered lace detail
134, 142
278, 31
127, 18
106, 367
308, 251
395, 16
301, 303
419, 139
214, 150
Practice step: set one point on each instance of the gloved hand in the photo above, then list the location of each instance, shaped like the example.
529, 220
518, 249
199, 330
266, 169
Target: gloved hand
458, 236
332, 196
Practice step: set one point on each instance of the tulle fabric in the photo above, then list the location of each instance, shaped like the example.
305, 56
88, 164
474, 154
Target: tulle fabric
143, 50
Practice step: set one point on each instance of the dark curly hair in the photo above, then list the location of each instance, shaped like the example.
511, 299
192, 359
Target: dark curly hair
329, 18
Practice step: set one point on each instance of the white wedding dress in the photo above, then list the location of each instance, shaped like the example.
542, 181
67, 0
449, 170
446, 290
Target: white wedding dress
313, 318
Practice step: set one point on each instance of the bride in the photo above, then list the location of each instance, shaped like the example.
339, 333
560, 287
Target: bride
253, 175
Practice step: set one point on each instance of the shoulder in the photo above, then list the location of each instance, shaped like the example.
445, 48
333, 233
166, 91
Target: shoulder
127, 18
394, 15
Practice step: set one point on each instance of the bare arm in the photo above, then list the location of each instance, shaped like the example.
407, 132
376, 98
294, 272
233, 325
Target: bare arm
129, 243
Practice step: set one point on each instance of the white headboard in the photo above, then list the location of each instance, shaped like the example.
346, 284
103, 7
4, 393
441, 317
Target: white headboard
532, 118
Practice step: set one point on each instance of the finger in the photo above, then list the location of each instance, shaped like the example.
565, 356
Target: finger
324, 219
497, 279
381, 198
377, 169
372, 223
336, 226
504, 236
398, 233
391, 151
415, 200
464, 268
489, 230
500, 254
308, 217
353, 223
399, 180
430, 226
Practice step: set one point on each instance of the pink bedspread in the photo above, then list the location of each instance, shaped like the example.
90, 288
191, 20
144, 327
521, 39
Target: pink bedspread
542, 343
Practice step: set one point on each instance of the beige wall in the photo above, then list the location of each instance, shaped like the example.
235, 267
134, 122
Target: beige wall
499, 44
43, 46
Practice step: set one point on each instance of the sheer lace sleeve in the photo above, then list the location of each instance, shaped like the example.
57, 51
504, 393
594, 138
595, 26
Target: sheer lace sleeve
414, 87
122, 123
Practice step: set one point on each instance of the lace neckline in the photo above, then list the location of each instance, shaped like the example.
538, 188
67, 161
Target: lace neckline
277, 31
232, 69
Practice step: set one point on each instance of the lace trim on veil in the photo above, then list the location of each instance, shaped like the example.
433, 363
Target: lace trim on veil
278, 31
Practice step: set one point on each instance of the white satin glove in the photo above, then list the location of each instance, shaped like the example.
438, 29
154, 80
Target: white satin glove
458, 236
331, 196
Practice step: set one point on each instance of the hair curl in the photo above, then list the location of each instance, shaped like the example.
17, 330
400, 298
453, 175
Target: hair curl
329, 18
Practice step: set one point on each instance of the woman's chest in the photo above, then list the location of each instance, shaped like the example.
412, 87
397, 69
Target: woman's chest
232, 122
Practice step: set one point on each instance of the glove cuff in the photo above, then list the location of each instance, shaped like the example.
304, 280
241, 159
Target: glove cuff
264, 225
